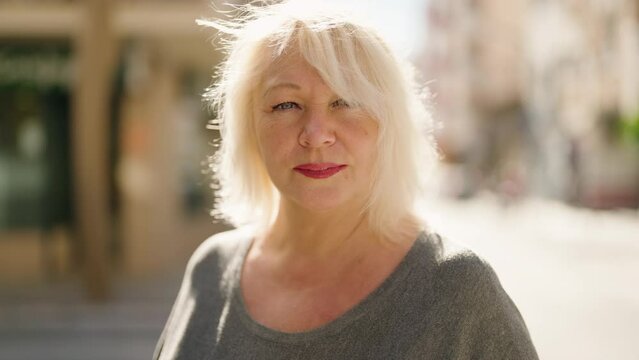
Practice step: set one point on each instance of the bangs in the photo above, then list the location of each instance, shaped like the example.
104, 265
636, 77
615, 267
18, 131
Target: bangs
346, 59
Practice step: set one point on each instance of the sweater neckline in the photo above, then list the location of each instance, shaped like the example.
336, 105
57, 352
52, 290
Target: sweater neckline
370, 304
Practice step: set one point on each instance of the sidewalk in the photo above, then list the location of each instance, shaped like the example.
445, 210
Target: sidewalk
55, 322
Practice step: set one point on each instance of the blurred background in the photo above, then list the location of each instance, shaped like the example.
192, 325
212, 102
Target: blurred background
104, 191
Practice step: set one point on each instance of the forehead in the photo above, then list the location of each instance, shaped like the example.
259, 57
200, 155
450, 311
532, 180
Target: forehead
290, 69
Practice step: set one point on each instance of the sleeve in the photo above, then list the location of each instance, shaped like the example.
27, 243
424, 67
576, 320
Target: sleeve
159, 345
180, 306
172, 315
202, 276
490, 325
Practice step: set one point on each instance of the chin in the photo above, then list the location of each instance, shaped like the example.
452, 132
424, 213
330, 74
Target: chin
319, 204
322, 200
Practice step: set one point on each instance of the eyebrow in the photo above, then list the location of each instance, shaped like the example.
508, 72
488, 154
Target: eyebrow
288, 85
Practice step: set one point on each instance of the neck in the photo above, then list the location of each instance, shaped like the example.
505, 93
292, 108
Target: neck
305, 247
300, 232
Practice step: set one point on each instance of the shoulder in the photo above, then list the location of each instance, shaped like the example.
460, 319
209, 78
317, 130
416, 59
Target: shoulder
206, 284
464, 282
470, 301
218, 251
223, 244
458, 269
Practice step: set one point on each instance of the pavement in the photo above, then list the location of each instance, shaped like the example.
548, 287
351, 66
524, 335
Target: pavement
573, 274
55, 322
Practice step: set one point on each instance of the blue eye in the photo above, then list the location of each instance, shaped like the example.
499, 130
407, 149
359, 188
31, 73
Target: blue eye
340, 103
285, 106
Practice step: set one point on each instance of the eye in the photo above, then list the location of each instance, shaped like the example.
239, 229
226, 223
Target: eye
288, 105
339, 103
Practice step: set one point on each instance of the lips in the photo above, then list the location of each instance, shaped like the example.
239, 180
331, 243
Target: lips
319, 170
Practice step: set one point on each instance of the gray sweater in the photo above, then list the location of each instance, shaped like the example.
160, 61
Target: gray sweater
442, 302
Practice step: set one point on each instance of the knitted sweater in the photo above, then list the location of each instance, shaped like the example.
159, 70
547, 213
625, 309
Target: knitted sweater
441, 302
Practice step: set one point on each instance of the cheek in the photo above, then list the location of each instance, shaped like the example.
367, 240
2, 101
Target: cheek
364, 140
274, 142
368, 153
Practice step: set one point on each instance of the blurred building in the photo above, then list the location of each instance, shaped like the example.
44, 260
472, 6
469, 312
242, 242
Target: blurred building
534, 96
102, 138
101, 123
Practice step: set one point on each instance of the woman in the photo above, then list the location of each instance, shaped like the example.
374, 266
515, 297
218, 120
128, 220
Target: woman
323, 153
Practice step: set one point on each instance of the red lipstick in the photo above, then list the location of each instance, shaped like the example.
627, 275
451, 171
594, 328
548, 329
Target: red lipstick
319, 170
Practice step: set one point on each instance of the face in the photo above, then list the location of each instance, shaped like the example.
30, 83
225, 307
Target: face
318, 150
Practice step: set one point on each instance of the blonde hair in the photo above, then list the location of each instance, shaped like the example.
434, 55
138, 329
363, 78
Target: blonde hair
359, 67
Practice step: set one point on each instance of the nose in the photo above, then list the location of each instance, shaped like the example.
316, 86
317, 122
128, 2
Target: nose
317, 130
